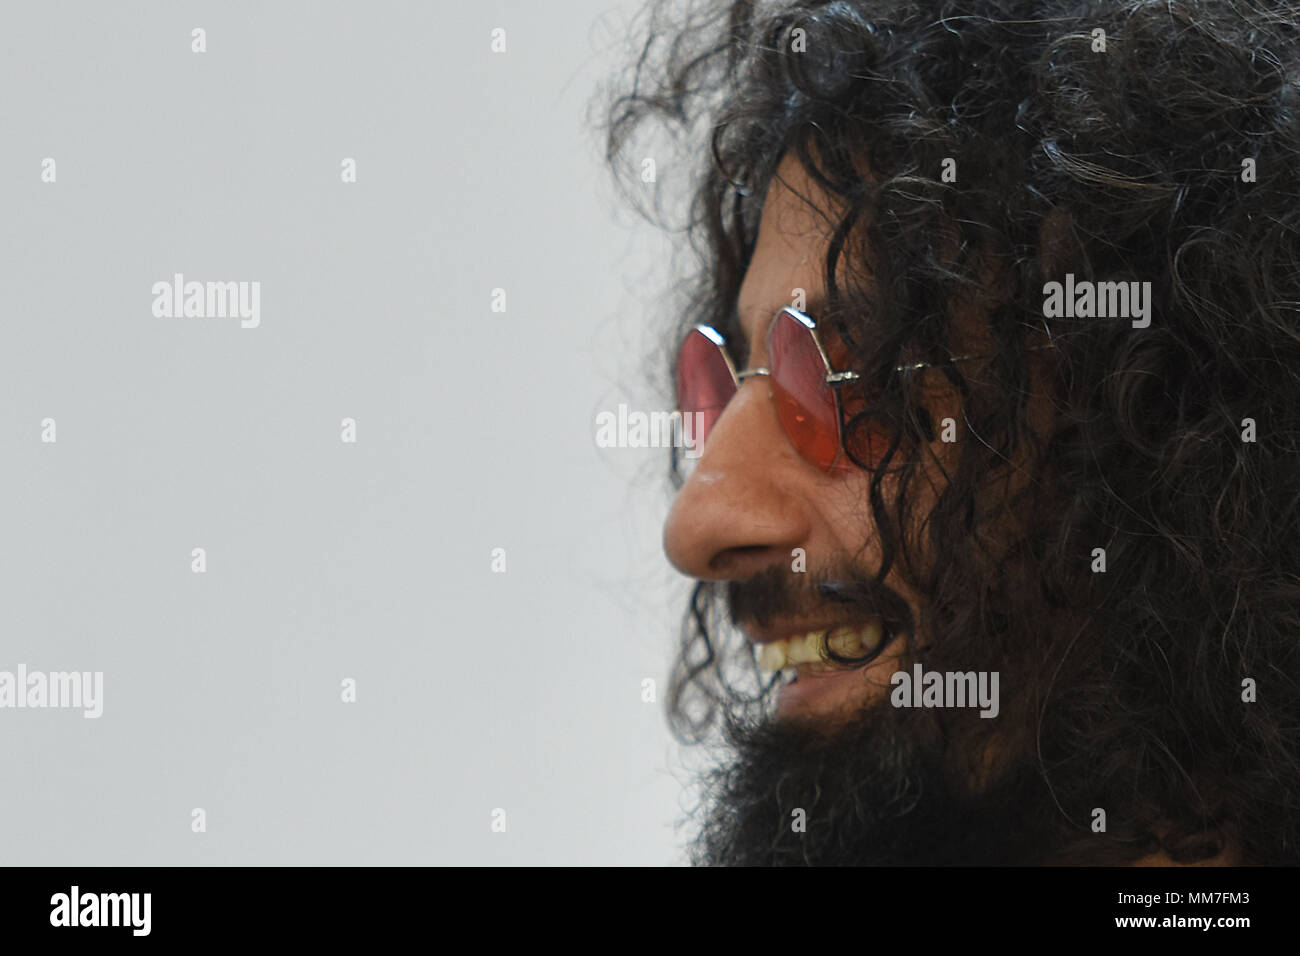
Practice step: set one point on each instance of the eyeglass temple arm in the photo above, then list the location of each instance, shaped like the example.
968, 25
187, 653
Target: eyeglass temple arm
958, 358
840, 378
843, 378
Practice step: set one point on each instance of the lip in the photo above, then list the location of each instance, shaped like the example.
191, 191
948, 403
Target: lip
822, 691
819, 691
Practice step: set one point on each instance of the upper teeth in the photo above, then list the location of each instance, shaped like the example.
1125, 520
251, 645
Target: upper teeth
809, 648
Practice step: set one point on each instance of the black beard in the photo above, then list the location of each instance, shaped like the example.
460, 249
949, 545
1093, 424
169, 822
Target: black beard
879, 790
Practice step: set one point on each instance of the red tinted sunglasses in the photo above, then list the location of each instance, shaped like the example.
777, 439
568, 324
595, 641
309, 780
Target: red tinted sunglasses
804, 387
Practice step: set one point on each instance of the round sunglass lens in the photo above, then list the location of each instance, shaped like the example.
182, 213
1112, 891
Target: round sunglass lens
704, 385
805, 404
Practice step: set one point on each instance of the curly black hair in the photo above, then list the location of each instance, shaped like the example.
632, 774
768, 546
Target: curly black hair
1148, 141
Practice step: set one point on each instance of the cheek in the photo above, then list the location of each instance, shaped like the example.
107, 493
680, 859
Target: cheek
852, 531
846, 509
846, 502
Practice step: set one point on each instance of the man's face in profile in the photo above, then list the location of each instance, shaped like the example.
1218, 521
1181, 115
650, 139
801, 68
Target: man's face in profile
751, 508
838, 772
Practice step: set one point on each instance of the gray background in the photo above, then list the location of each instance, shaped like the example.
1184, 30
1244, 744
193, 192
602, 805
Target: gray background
327, 560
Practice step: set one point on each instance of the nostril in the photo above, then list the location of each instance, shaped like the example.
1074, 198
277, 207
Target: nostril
734, 561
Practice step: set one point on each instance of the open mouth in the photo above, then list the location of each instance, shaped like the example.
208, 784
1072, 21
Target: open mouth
812, 682
810, 648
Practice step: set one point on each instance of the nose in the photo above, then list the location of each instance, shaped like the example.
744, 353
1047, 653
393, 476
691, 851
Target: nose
740, 511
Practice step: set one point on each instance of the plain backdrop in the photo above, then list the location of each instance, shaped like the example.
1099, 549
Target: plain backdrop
326, 561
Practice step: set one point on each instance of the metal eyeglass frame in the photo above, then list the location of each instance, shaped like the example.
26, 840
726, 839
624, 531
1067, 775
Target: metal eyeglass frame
833, 378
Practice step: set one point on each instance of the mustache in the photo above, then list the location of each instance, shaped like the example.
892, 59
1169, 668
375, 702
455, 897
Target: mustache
777, 594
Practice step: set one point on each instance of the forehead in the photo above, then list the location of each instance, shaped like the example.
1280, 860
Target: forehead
790, 253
